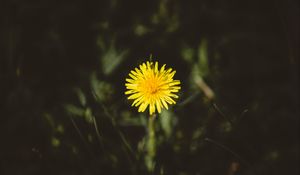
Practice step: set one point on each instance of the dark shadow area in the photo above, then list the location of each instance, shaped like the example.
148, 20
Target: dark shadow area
63, 66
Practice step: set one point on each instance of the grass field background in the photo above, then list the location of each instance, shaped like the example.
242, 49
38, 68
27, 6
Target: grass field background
63, 66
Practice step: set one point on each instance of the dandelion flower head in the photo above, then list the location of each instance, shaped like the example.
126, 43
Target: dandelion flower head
150, 86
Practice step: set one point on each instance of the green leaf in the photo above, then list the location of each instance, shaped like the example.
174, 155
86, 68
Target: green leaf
203, 58
111, 59
74, 110
81, 96
167, 119
100, 89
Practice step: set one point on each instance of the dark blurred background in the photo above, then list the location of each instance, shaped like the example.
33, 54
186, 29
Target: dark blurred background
63, 66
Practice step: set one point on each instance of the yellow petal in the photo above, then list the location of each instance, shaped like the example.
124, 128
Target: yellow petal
164, 103
173, 95
151, 108
142, 107
175, 82
130, 80
130, 91
156, 67
138, 101
158, 105
169, 100
133, 76
134, 96
162, 68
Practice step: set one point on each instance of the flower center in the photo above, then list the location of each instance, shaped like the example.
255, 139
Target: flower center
153, 89
151, 86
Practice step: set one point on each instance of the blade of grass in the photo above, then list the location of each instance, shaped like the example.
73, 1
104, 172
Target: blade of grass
222, 114
81, 135
228, 150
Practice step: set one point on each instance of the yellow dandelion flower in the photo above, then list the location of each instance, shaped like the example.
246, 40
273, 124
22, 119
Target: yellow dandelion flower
151, 86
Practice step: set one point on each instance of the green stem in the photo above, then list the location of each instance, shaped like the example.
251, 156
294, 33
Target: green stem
151, 144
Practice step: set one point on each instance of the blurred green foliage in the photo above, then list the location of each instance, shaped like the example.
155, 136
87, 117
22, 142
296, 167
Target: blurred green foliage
63, 66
